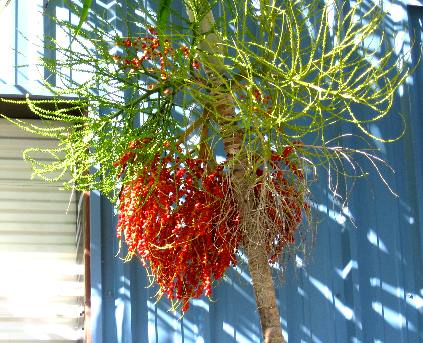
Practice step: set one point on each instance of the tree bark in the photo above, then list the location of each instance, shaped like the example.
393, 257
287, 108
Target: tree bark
261, 276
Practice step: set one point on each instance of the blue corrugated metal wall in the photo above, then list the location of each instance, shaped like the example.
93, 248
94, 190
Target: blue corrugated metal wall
362, 284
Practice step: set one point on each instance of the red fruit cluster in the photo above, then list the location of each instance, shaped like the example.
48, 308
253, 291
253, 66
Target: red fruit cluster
149, 48
179, 217
170, 216
257, 96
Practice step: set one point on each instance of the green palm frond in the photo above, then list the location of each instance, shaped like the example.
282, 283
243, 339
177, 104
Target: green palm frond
291, 70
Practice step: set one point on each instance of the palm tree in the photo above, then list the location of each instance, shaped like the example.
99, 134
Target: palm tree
265, 80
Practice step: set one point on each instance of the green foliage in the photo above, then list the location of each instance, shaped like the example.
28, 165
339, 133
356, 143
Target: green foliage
86, 5
289, 70
163, 15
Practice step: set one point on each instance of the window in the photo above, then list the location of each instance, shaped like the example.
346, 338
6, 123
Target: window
42, 255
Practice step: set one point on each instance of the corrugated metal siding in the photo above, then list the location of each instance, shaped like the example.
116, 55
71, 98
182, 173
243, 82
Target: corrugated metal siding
362, 284
39, 291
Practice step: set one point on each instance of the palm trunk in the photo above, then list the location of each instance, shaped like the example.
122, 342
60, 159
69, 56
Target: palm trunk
261, 276
253, 241
253, 238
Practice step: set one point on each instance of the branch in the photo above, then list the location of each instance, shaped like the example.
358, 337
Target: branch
199, 13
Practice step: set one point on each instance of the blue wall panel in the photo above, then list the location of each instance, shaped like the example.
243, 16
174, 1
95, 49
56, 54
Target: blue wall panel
362, 283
